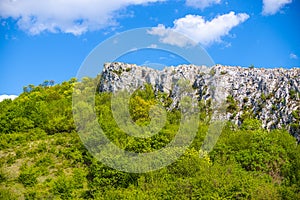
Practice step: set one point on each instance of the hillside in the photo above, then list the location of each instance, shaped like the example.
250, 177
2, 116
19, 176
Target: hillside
270, 95
42, 156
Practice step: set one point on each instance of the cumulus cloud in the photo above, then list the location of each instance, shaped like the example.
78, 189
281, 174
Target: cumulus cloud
293, 56
201, 3
67, 16
171, 36
270, 7
4, 96
198, 29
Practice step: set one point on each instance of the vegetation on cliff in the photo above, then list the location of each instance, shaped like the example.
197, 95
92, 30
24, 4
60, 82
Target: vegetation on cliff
42, 156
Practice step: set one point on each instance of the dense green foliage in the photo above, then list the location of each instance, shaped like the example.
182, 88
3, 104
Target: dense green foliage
42, 156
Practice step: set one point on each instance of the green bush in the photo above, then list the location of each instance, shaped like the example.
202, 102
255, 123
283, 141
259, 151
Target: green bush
63, 187
247, 162
7, 194
28, 176
2, 176
232, 105
251, 124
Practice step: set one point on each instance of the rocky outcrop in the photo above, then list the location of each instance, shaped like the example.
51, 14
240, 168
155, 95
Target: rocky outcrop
272, 95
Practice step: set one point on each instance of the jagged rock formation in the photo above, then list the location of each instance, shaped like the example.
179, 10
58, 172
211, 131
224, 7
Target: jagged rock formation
272, 95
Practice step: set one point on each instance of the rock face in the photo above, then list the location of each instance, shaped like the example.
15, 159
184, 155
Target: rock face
272, 95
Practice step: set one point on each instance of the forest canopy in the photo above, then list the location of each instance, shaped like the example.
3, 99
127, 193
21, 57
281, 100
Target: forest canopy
42, 156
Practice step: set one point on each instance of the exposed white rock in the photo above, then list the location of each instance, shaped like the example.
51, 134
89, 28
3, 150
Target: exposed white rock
271, 94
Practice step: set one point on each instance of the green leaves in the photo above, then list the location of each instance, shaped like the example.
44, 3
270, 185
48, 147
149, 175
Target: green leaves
251, 124
43, 158
28, 176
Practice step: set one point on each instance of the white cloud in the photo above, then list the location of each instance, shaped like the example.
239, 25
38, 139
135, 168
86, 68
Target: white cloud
198, 29
270, 7
67, 16
4, 96
171, 36
201, 3
293, 56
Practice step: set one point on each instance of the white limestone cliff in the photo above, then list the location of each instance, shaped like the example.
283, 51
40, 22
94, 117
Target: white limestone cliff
272, 95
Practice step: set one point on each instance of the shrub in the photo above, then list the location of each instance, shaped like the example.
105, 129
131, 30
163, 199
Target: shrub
293, 94
28, 177
251, 124
2, 176
212, 72
7, 194
63, 187
232, 104
263, 97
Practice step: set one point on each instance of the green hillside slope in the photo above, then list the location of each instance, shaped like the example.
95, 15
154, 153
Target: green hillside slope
42, 156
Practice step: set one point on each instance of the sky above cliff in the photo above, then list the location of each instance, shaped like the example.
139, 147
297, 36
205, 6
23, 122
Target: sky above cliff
49, 40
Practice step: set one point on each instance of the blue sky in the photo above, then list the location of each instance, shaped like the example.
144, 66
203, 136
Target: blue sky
49, 40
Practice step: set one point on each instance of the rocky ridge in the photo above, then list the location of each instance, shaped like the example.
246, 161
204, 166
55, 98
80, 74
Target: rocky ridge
272, 95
